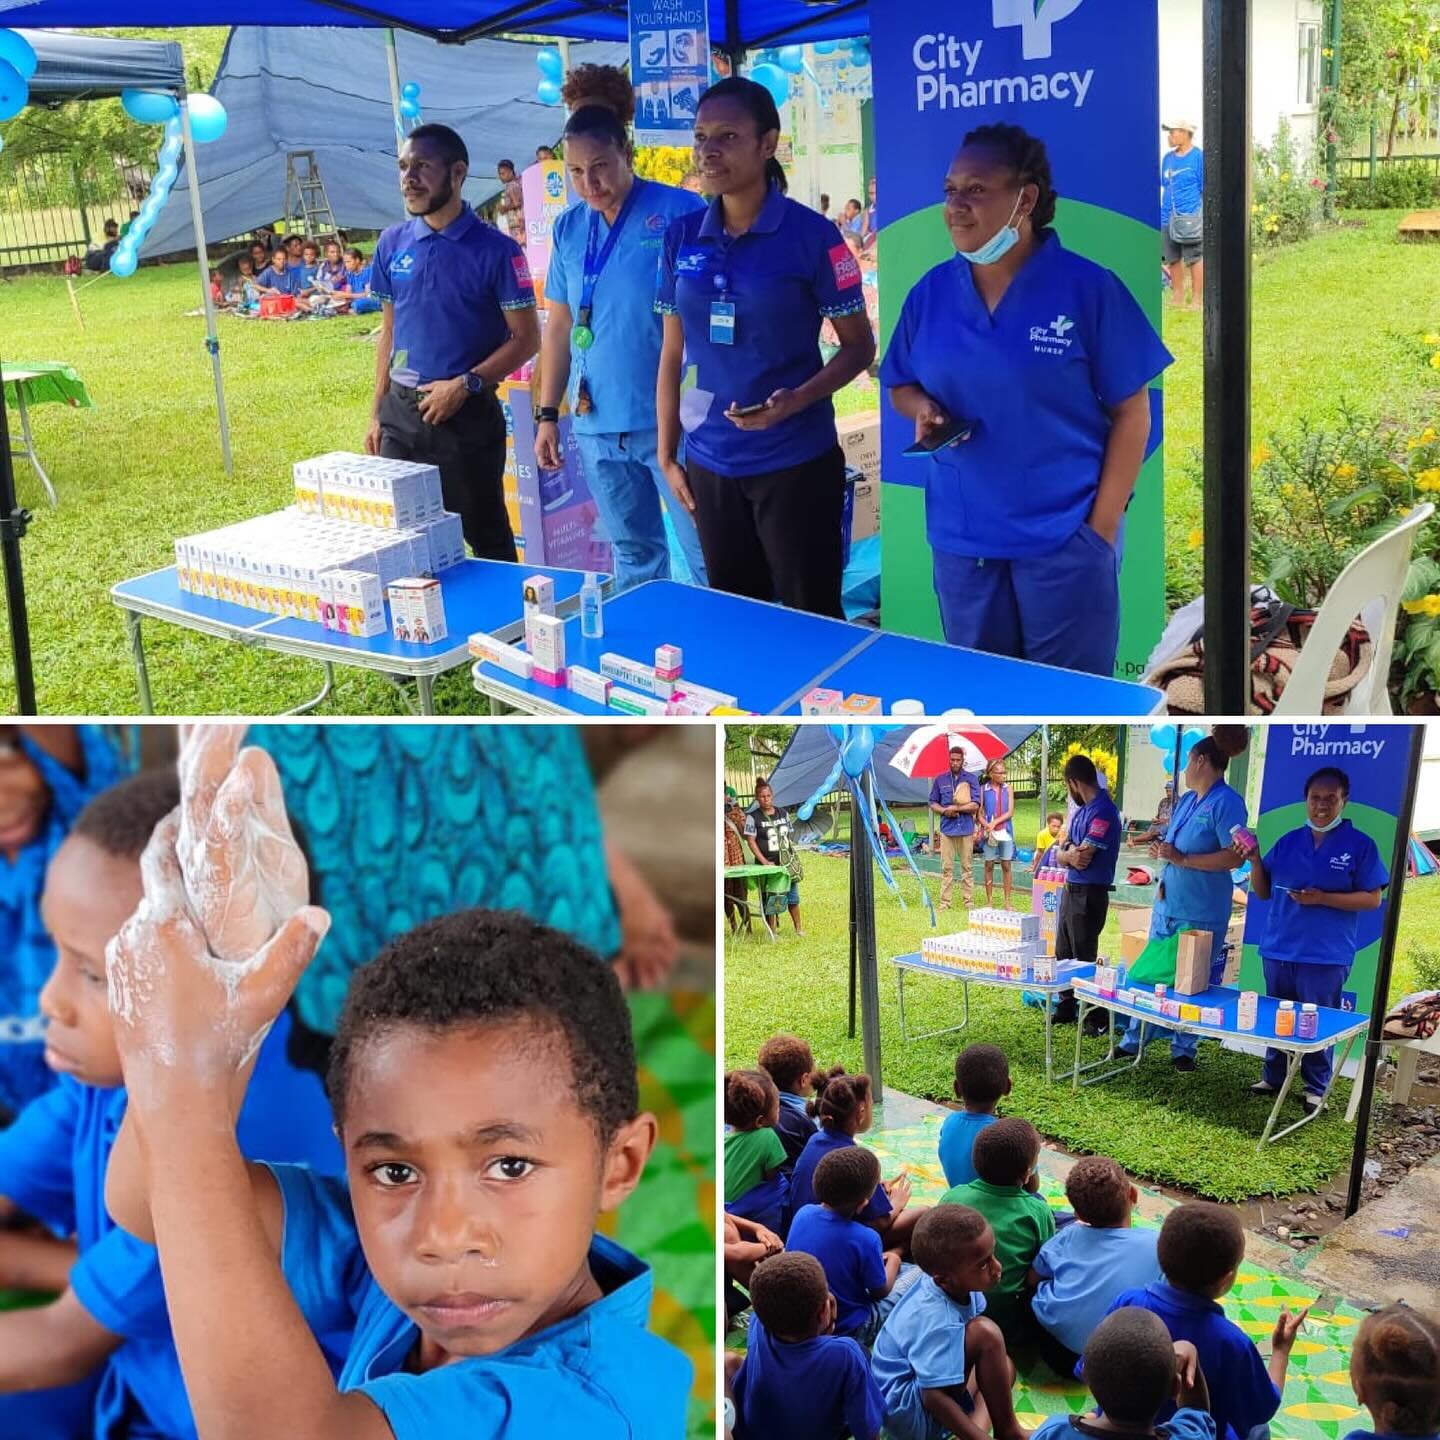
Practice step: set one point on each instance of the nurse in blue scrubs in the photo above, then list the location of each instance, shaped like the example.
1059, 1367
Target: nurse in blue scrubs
1317, 879
601, 348
1047, 360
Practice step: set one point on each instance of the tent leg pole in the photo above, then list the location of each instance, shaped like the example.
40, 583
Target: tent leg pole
854, 830
392, 60
865, 948
13, 520
202, 255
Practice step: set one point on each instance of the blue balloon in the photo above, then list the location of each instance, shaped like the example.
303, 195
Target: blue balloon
774, 79
547, 92
859, 748
792, 58
123, 262
826, 47
410, 91
860, 46
17, 51
410, 110
14, 91
149, 107
207, 118
171, 151
1162, 737
552, 67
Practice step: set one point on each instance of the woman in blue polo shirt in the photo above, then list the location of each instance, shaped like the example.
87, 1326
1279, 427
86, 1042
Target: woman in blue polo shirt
744, 287
1318, 879
1046, 359
602, 345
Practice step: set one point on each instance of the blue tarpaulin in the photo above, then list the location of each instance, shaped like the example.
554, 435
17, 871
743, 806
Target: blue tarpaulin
84, 67
328, 91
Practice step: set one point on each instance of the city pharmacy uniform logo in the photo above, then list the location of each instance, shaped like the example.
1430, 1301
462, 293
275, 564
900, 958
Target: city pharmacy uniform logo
402, 267
1054, 338
948, 73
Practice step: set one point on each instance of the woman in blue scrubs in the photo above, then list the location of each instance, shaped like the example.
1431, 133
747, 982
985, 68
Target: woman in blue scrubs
744, 287
1317, 879
1047, 360
601, 348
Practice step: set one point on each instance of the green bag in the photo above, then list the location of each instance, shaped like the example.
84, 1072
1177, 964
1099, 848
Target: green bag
1156, 963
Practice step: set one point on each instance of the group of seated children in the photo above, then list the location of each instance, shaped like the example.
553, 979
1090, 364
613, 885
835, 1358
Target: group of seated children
848, 1339
337, 285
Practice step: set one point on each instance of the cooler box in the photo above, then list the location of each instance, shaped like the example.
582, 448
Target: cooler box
277, 304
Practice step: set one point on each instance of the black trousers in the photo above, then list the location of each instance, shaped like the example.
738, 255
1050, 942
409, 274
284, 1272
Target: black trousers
1082, 917
775, 536
469, 450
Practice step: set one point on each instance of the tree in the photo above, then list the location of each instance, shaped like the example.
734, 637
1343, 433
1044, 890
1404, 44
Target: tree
1390, 55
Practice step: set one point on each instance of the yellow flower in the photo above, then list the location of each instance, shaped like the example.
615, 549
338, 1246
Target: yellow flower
1285, 178
1262, 453
1432, 339
1345, 472
1429, 435
1428, 479
1287, 490
1195, 539
1435, 361
1426, 605
1256, 209
1404, 511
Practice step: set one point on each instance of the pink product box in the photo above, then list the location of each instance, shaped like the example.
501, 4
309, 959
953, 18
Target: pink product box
555, 679
417, 611
822, 702
1170, 1009
669, 662
1211, 1015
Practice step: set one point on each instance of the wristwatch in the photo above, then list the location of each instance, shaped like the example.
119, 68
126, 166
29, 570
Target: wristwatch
547, 415
475, 384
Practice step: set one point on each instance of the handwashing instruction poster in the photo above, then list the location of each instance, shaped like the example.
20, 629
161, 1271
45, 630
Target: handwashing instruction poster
669, 66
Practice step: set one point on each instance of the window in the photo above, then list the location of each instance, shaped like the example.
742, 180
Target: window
1309, 86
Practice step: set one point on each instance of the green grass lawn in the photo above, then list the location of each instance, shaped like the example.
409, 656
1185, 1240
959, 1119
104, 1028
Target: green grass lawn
1332, 320
1194, 1131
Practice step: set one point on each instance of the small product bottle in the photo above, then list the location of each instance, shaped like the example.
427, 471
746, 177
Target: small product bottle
1161, 991
1285, 1018
1309, 1022
592, 608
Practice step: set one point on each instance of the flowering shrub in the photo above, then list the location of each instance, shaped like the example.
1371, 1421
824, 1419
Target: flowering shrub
1287, 192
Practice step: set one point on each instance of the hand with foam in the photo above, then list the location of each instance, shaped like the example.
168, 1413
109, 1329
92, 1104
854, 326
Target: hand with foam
244, 873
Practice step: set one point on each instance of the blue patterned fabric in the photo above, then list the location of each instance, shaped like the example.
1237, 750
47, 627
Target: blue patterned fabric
408, 822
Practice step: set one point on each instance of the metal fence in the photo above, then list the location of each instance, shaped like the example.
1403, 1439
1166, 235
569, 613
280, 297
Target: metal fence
53, 206
1367, 167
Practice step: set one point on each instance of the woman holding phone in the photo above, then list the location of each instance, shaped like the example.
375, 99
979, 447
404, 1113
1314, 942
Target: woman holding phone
1026, 371
744, 287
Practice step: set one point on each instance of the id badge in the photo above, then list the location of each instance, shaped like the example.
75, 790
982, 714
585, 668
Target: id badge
722, 322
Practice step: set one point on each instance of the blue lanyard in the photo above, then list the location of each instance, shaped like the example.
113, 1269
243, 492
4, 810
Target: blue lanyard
595, 264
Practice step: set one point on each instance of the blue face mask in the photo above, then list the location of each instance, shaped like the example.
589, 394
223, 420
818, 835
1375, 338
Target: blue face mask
1326, 829
1001, 243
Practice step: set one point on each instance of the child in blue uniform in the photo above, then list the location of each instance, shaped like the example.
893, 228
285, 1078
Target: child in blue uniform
1395, 1373
755, 1183
788, 1061
982, 1080
485, 1093
103, 1348
798, 1380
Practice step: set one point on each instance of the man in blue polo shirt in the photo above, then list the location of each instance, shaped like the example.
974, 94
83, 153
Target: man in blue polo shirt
954, 798
458, 310
1317, 879
1182, 199
1088, 855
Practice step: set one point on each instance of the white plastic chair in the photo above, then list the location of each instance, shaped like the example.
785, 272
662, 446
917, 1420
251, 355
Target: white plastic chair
1375, 576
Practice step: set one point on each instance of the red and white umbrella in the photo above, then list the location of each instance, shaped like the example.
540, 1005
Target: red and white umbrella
925, 753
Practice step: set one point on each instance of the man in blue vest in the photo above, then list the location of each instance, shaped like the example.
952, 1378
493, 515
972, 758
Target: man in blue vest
954, 797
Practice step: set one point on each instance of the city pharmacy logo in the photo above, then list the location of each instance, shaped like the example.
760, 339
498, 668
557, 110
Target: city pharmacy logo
1054, 338
1037, 20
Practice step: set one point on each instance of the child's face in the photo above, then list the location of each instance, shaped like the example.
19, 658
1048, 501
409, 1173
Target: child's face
89, 895
24, 798
1053, 823
476, 1180
332, 254
973, 1269
312, 256
351, 264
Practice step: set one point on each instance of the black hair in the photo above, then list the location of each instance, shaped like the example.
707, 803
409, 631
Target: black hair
355, 252
1005, 1152
294, 240
504, 165
853, 201
760, 105
749, 1094
942, 1234
982, 1074
789, 1293
279, 249
121, 820
488, 967
1030, 161
1200, 1243
846, 1178
787, 1059
444, 141
763, 783
312, 244
1098, 1190
598, 122
112, 224
1209, 751
1399, 1353
839, 1098
1081, 769
600, 85
1055, 815
1130, 1366
1330, 772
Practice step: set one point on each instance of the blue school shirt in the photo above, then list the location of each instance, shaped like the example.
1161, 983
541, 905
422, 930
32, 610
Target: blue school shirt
1083, 1269
1345, 860
450, 289
27, 953
52, 1165
921, 1346
818, 1389
1098, 825
794, 1127
600, 1373
817, 1147
1242, 1394
1182, 183
1037, 380
1200, 826
942, 792
957, 1142
1182, 1425
289, 281
358, 282
621, 367
851, 1256
786, 275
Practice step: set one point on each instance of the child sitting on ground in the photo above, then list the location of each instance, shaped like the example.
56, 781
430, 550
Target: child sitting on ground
1006, 1155
1135, 1371
864, 1279
799, 1381
939, 1361
1200, 1250
1047, 839
1395, 1373
1080, 1270
787, 1060
755, 1184
484, 1084
982, 1080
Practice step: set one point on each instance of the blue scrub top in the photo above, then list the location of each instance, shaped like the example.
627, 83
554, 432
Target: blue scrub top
851, 1256
450, 289
1037, 380
818, 1389
1345, 860
785, 276
1098, 826
942, 792
1201, 827
620, 368
601, 1373
1182, 183
53, 1161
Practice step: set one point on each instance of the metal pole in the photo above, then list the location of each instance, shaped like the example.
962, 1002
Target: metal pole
202, 255
1122, 750
1228, 27
1384, 965
1044, 775
865, 948
13, 520
393, 61
1331, 71
854, 930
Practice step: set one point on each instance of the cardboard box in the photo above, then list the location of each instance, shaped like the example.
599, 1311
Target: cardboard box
417, 611
545, 638
866, 520
1192, 963
1132, 945
860, 440
352, 602
1234, 951
822, 702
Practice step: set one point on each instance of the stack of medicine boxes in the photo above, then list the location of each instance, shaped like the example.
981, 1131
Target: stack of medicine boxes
999, 944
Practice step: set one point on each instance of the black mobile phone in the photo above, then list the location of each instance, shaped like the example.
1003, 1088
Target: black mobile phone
749, 409
955, 433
